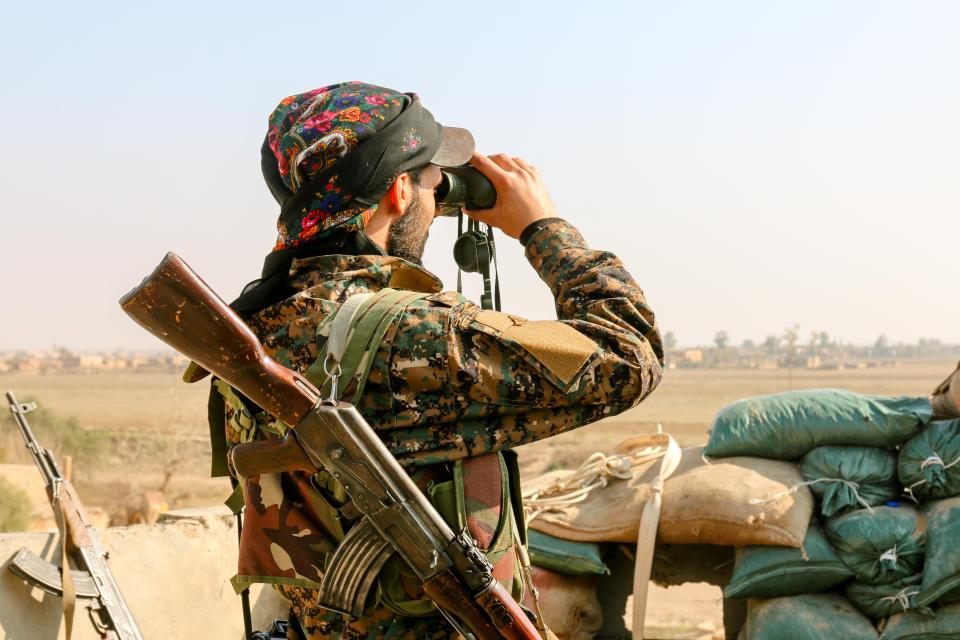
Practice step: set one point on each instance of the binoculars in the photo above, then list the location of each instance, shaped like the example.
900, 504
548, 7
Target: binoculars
464, 188
474, 251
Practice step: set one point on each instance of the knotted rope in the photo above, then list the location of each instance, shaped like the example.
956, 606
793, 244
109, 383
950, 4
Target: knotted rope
594, 473
853, 486
890, 557
902, 597
929, 462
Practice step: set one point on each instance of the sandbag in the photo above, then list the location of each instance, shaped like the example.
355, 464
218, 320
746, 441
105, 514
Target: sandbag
771, 572
884, 600
845, 478
569, 604
789, 425
732, 502
929, 463
946, 397
735, 502
943, 625
880, 546
610, 510
565, 556
941, 575
813, 616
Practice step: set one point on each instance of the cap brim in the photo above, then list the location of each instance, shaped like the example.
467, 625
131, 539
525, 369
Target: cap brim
456, 147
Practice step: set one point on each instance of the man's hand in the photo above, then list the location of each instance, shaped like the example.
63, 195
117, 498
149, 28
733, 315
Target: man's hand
522, 197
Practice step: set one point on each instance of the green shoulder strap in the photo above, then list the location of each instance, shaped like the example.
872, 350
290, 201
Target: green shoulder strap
356, 335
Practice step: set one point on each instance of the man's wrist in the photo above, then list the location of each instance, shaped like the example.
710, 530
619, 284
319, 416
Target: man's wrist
532, 228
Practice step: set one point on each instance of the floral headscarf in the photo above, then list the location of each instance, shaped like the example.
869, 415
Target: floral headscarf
331, 154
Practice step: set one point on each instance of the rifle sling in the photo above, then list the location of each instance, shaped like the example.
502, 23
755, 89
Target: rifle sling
356, 332
68, 589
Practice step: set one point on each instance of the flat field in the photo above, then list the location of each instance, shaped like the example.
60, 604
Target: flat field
156, 421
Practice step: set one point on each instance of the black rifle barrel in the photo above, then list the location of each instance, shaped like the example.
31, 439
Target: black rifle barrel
41, 456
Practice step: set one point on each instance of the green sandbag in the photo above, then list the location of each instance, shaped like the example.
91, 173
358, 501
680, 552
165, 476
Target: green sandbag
847, 478
786, 426
943, 625
885, 600
941, 575
565, 556
771, 572
812, 616
880, 546
929, 464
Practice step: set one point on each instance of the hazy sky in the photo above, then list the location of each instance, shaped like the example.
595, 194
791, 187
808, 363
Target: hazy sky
755, 164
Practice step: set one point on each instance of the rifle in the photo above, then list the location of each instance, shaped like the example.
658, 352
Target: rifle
79, 541
175, 305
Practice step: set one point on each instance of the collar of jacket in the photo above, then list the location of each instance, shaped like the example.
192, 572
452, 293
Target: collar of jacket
370, 272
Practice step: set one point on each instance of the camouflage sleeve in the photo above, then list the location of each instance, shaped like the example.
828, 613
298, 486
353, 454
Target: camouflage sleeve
603, 350
460, 381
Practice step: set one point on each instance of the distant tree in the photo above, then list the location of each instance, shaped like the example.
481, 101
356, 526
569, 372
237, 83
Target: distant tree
789, 338
721, 339
748, 345
771, 343
790, 335
881, 346
669, 341
824, 339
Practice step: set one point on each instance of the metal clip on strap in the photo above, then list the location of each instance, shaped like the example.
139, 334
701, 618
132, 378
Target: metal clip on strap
338, 340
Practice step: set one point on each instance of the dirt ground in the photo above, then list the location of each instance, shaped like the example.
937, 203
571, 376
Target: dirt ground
157, 432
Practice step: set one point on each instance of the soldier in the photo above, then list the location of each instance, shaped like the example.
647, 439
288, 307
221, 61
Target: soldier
451, 387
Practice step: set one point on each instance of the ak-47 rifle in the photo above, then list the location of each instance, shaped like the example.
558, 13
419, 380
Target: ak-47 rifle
175, 305
81, 541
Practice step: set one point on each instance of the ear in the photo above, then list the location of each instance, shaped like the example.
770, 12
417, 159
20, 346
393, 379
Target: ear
400, 193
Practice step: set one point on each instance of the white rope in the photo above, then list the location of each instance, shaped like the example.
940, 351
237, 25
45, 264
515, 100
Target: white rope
929, 462
902, 597
889, 554
595, 472
853, 486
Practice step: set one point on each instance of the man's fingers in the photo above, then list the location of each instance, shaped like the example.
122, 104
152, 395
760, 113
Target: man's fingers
487, 167
505, 162
526, 166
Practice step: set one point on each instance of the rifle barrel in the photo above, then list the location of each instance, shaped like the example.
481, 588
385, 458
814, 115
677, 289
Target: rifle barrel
40, 456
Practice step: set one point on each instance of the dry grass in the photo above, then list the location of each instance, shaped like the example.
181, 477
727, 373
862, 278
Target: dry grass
118, 401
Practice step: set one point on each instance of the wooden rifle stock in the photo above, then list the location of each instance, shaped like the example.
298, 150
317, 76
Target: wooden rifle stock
177, 306
75, 518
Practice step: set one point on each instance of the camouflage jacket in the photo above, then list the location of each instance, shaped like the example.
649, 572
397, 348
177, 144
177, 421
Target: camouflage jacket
450, 380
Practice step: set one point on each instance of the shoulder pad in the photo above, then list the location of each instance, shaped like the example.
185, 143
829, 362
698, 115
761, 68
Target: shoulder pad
560, 348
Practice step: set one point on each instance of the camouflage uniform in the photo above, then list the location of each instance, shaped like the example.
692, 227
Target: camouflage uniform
450, 380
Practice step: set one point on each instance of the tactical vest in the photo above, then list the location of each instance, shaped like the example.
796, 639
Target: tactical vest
480, 494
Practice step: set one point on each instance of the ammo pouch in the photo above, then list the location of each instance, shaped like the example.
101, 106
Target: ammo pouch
480, 494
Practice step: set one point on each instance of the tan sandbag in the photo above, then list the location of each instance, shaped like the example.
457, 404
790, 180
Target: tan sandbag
569, 604
946, 397
737, 502
733, 501
588, 518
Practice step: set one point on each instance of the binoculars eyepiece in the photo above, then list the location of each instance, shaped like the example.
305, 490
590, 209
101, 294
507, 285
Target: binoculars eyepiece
464, 188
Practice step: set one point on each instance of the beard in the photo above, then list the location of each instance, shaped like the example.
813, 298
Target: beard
408, 235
